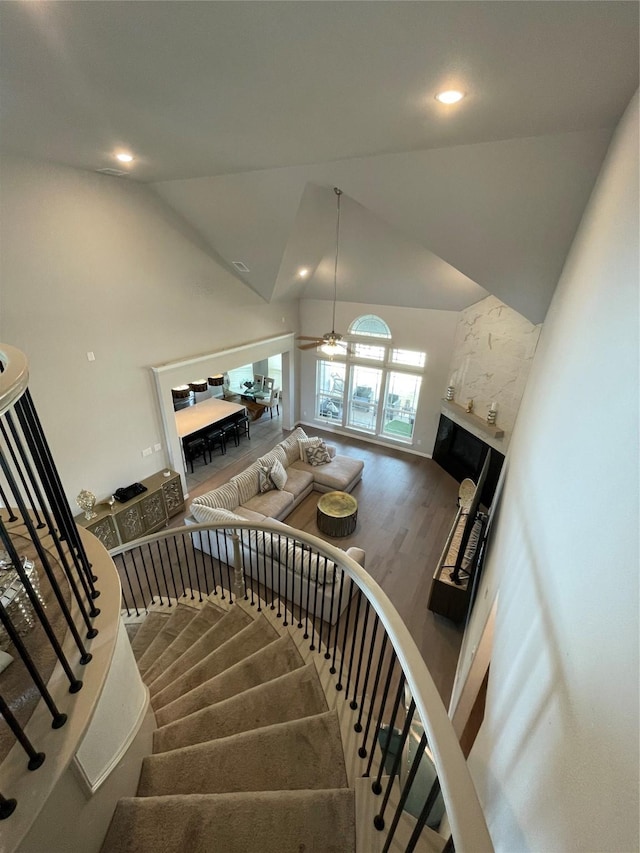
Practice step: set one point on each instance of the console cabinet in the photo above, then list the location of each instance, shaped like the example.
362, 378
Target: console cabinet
140, 516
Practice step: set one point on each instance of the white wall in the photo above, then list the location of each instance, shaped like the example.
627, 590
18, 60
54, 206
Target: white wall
92, 263
421, 329
556, 760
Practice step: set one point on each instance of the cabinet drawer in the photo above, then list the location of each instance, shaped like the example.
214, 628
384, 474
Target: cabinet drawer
105, 531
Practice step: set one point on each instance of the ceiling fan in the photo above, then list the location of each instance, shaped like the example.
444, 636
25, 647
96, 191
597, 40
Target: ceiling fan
332, 343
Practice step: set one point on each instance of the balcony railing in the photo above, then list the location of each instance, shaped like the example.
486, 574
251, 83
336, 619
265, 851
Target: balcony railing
373, 661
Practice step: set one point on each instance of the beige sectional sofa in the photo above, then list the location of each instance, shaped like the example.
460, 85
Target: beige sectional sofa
289, 567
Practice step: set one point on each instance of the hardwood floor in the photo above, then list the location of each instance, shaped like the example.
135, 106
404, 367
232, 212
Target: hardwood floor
406, 505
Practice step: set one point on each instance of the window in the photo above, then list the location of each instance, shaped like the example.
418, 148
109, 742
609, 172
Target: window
379, 398
371, 325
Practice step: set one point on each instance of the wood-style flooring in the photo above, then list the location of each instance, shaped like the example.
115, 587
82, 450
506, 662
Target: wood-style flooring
406, 505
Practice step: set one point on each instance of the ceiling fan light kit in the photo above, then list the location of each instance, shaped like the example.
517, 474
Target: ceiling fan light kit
331, 343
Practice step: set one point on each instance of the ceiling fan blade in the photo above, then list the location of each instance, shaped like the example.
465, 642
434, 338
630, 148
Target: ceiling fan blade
309, 346
307, 338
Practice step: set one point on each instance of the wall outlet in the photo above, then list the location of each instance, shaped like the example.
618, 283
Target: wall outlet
90, 356
157, 447
147, 451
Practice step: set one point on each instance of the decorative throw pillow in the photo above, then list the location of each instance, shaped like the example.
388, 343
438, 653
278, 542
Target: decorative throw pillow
304, 443
278, 475
318, 455
265, 483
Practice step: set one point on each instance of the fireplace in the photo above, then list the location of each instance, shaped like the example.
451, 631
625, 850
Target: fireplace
462, 454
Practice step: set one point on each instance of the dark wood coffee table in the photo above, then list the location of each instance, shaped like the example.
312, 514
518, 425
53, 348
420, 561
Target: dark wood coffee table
337, 514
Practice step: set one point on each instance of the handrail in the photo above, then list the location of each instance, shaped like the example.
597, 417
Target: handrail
464, 812
14, 376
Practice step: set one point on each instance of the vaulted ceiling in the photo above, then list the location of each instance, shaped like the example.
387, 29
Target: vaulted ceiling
244, 115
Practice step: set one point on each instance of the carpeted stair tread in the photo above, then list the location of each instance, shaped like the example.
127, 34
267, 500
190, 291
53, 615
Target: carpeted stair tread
318, 821
147, 632
205, 619
292, 696
181, 615
302, 754
255, 635
209, 640
279, 657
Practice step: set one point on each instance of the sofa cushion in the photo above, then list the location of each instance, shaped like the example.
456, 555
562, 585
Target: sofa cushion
213, 515
247, 483
290, 444
273, 503
250, 515
298, 481
338, 475
276, 454
305, 562
225, 497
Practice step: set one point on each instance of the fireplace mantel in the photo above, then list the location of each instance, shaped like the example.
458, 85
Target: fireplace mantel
491, 434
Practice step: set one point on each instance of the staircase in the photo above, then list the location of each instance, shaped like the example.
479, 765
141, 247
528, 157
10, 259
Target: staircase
247, 755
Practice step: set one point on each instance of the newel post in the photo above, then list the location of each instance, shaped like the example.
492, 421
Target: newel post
238, 568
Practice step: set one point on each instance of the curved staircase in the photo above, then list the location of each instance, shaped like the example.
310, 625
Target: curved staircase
247, 756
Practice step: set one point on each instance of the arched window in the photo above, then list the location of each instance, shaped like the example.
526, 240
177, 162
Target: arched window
371, 326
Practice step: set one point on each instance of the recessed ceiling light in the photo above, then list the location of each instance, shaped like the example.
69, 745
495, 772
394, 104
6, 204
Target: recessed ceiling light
451, 96
124, 157
303, 272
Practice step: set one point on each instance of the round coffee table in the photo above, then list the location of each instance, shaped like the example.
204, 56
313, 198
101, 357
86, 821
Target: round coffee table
337, 514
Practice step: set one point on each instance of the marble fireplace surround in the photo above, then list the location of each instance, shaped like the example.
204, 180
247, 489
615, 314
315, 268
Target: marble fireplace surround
492, 354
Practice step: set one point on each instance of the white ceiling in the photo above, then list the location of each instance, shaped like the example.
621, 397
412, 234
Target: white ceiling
245, 114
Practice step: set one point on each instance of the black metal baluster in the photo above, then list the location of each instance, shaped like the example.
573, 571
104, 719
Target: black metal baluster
286, 587
212, 558
196, 552
272, 584
354, 702
362, 752
229, 562
449, 847
376, 787
35, 758
162, 572
59, 719
356, 623
91, 631
383, 704
358, 725
85, 657
323, 585
344, 636
36, 439
124, 575
18, 467
143, 597
7, 506
7, 807
424, 814
378, 820
184, 586
404, 796
308, 581
146, 574
171, 573
187, 562
332, 668
327, 654
75, 684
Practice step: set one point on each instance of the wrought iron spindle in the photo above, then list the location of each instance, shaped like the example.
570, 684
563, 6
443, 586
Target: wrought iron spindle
59, 719
356, 625
362, 752
143, 598
164, 569
378, 820
35, 758
404, 796
424, 814
358, 725
7, 807
25, 485
383, 704
354, 702
155, 590
7, 505
337, 574
376, 787
332, 668
179, 564
344, 635
162, 572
